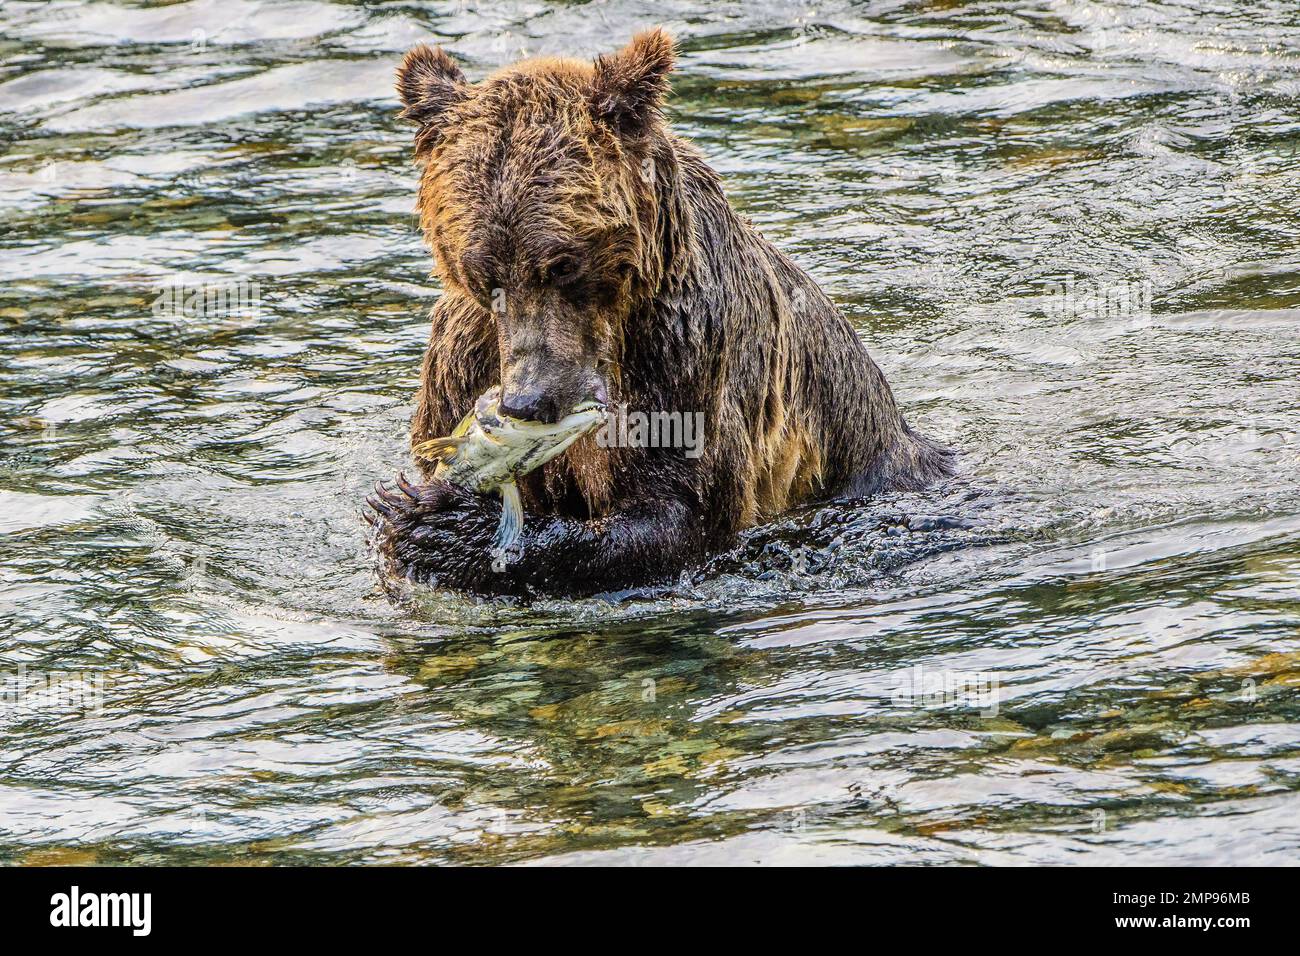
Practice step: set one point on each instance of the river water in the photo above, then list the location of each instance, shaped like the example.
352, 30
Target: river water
1066, 230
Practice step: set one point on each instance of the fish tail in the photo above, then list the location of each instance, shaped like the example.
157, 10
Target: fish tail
512, 517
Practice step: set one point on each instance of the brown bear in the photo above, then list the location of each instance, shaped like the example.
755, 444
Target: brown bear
586, 252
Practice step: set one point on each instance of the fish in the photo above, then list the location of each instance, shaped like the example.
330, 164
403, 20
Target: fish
489, 451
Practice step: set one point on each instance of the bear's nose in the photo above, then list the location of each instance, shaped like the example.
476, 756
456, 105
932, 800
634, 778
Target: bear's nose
533, 406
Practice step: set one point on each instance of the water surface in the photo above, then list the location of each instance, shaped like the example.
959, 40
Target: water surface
1066, 230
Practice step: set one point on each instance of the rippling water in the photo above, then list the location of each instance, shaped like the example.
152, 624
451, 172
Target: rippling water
1067, 231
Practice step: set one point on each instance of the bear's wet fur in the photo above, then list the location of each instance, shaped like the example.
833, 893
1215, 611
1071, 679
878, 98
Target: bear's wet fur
584, 250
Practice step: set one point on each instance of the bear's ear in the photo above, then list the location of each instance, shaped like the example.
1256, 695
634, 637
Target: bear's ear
429, 83
630, 85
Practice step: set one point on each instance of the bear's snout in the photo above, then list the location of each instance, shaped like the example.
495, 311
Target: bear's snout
545, 383
531, 405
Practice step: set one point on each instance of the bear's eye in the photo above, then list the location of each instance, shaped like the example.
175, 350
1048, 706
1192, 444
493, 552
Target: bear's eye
562, 271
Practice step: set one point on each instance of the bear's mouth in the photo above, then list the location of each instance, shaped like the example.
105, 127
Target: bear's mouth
490, 418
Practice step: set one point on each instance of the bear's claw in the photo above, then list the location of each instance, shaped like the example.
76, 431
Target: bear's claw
383, 501
406, 487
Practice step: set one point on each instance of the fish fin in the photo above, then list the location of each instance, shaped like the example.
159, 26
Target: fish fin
512, 517
438, 449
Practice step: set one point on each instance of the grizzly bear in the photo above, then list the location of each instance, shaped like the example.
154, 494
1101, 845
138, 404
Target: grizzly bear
585, 252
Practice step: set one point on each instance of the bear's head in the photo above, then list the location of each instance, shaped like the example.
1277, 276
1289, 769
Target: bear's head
538, 200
